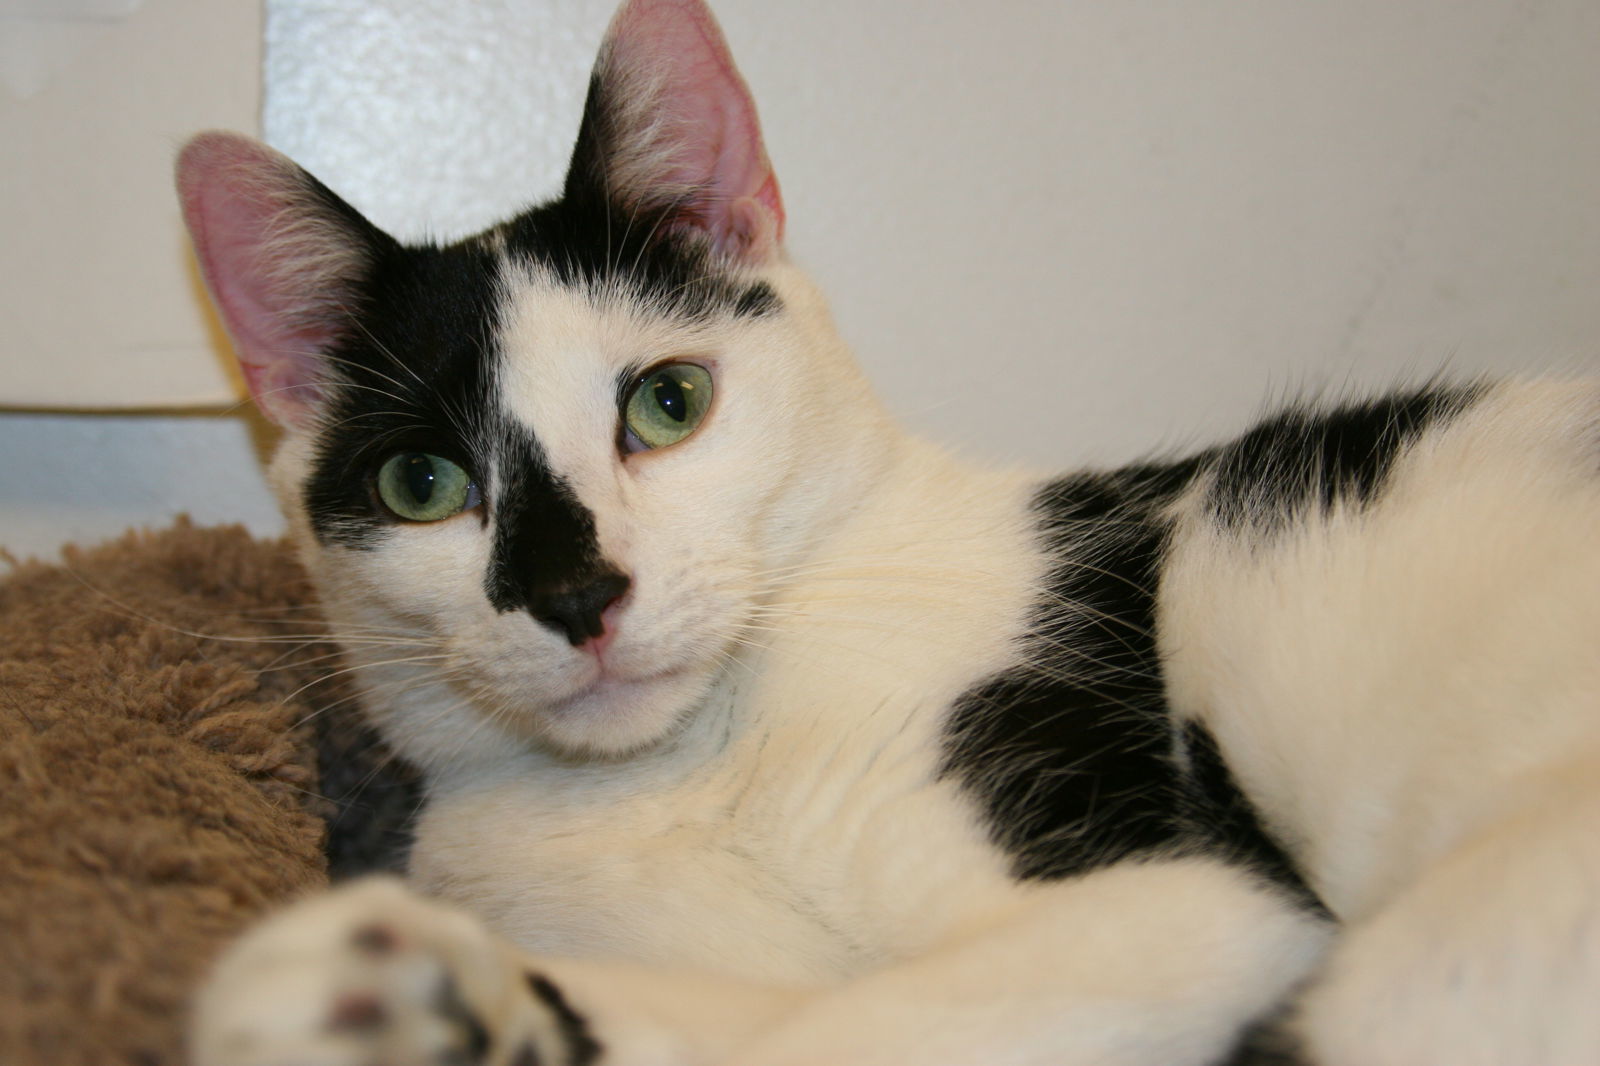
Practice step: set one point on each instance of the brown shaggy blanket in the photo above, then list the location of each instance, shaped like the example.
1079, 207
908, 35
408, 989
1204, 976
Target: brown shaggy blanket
159, 782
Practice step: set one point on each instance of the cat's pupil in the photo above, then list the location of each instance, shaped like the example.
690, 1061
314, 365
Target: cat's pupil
670, 398
419, 477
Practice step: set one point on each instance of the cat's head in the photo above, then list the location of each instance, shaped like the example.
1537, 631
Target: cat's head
572, 454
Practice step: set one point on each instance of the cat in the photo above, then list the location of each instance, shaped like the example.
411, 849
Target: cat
758, 731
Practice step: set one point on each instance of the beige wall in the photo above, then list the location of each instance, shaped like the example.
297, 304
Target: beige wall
95, 291
1055, 232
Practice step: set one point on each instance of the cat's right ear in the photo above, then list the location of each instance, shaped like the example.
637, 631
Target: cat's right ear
283, 257
669, 127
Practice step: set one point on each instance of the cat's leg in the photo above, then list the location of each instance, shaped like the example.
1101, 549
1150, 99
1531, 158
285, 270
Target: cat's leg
373, 973
1157, 963
1490, 957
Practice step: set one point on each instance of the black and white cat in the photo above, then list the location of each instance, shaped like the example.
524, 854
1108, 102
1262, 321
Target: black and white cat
758, 732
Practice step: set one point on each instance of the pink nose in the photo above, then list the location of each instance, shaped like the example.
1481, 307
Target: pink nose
610, 619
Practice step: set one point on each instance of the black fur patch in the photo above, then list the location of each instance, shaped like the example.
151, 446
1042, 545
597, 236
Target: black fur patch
1268, 1042
374, 796
586, 239
582, 1047
1072, 754
1222, 820
470, 1046
630, 234
414, 368
1304, 458
412, 373
416, 373
545, 548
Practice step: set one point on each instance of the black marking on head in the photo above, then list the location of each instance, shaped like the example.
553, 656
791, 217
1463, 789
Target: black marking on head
414, 369
412, 373
585, 239
582, 1048
1073, 755
1304, 459
595, 235
546, 557
575, 611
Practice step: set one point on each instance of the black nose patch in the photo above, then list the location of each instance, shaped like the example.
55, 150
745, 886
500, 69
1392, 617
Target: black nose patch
546, 558
574, 610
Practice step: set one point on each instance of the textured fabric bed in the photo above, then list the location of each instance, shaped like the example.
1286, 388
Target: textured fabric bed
162, 702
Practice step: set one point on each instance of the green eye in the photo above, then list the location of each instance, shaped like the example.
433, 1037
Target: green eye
423, 487
666, 405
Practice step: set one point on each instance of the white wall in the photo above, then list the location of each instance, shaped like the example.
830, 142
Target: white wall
1055, 232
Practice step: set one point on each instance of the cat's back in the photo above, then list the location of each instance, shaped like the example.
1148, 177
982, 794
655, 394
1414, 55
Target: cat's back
1387, 614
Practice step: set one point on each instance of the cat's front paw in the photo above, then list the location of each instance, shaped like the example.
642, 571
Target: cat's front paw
374, 975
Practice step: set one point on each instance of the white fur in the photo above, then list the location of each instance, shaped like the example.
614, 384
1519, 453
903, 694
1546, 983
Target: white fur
1411, 695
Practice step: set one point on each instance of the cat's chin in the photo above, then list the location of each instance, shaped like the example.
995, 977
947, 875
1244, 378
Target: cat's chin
614, 716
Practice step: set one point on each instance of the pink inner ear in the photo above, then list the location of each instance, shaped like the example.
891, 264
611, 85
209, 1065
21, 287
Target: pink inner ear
709, 117
264, 256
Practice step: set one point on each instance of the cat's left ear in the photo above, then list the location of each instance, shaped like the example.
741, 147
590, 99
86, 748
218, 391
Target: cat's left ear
284, 259
669, 126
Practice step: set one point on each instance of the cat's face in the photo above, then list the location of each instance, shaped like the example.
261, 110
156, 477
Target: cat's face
572, 456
